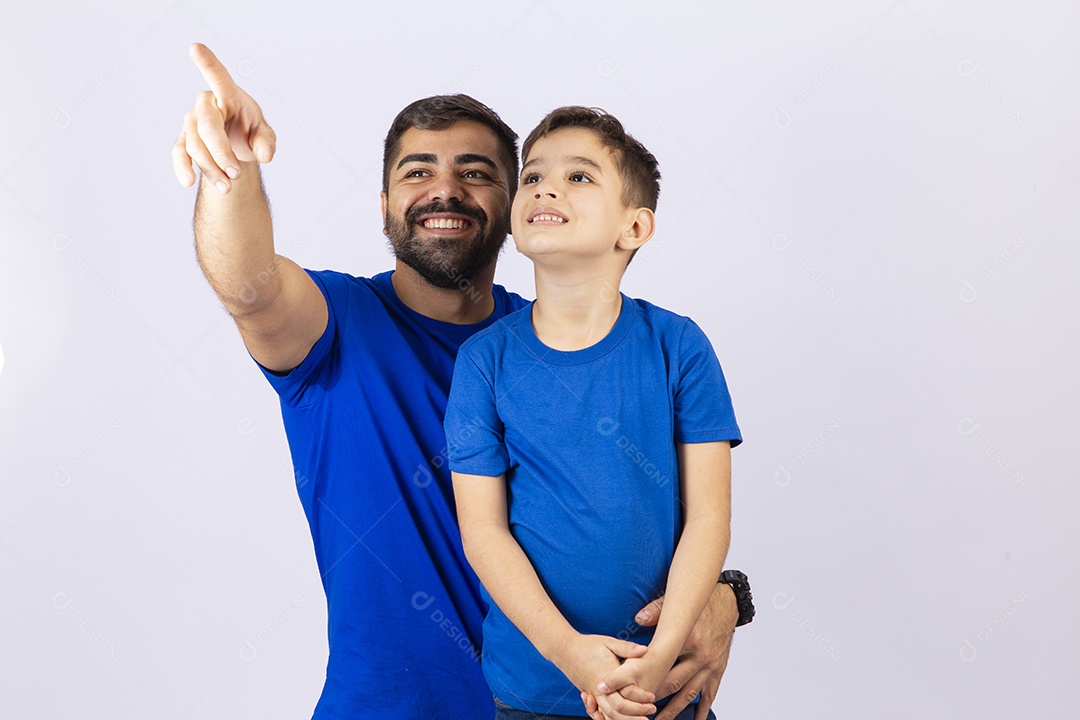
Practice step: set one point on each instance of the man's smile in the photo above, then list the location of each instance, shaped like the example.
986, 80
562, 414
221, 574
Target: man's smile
446, 221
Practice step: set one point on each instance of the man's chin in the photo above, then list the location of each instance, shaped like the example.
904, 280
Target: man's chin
443, 277
446, 262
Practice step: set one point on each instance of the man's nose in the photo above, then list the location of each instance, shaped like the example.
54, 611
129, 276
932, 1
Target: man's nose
447, 187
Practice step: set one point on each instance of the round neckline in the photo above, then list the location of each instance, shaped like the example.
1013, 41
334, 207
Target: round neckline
627, 313
441, 326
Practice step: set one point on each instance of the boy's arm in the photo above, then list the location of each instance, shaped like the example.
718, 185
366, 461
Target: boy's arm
705, 480
513, 584
704, 658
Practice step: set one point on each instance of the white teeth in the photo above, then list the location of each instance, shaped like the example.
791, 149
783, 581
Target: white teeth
548, 218
444, 224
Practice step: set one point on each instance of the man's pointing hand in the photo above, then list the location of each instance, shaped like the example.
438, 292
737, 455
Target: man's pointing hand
223, 130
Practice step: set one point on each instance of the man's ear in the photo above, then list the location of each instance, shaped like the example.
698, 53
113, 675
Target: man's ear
641, 228
382, 205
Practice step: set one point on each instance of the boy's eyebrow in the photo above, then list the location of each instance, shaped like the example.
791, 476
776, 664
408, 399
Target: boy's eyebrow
585, 161
573, 159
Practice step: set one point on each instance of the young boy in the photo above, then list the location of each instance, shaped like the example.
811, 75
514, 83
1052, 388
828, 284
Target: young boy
589, 436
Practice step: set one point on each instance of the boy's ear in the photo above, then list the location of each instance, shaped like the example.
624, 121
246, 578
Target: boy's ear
641, 228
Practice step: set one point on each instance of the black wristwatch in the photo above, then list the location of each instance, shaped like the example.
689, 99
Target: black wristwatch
741, 586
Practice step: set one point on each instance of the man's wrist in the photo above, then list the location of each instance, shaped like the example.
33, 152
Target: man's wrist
744, 601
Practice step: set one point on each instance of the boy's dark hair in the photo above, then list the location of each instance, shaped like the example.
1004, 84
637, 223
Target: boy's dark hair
637, 166
440, 112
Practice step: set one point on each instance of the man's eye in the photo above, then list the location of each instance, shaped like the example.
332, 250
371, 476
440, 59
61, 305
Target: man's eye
579, 177
530, 179
477, 175
416, 173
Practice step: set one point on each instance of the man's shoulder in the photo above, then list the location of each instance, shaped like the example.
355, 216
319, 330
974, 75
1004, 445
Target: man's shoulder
511, 301
495, 338
344, 291
347, 280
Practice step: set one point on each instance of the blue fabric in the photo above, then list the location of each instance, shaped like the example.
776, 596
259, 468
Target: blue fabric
587, 441
363, 414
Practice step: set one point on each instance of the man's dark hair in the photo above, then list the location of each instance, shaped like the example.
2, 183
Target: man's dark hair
637, 166
440, 112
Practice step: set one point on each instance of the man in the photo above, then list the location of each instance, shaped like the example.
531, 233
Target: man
363, 368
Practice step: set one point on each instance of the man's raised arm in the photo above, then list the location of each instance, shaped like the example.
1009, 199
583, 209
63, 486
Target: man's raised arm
278, 308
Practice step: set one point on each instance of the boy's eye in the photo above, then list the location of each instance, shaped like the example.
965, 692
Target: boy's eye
579, 177
530, 179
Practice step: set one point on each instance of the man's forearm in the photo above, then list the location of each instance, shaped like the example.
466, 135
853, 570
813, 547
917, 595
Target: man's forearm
234, 241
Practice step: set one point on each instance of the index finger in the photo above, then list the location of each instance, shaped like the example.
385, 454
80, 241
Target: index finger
215, 74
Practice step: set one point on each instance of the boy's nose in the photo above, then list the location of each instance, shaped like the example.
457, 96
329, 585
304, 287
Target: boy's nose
544, 186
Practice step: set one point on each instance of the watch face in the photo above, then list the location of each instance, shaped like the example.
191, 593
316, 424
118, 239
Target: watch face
735, 577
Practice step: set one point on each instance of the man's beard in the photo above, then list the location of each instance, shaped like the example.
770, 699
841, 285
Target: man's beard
446, 263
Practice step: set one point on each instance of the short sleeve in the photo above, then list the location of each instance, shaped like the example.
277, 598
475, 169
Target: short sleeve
474, 432
703, 409
301, 385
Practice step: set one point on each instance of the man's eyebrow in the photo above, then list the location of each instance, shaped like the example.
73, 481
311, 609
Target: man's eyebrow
469, 158
418, 157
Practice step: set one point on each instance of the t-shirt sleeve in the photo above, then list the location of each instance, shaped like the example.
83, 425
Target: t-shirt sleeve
301, 385
474, 432
703, 410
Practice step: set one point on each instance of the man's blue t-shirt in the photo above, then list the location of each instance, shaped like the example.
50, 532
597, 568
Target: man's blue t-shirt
587, 440
363, 414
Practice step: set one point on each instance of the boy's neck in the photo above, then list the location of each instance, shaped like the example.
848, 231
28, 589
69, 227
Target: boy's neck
575, 309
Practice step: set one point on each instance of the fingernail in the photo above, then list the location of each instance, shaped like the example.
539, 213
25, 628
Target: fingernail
643, 616
232, 172
602, 687
222, 187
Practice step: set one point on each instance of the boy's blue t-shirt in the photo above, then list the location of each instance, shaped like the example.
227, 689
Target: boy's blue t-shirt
587, 440
363, 414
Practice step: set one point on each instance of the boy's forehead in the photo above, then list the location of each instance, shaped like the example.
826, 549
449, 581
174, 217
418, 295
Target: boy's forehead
571, 144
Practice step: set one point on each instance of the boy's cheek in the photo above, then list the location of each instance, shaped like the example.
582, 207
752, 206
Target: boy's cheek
517, 208
516, 223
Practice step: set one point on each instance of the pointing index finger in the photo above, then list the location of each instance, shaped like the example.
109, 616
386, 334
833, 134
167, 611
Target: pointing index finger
215, 74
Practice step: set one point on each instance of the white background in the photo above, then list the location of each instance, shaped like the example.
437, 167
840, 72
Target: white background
867, 206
